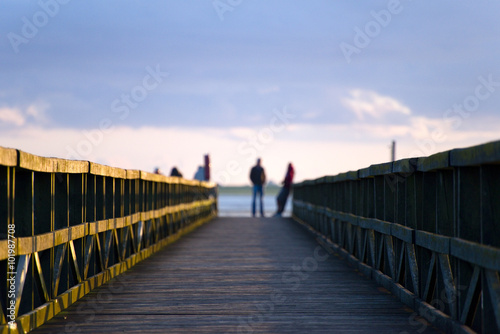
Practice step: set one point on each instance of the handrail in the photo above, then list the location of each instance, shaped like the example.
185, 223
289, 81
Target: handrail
68, 226
427, 229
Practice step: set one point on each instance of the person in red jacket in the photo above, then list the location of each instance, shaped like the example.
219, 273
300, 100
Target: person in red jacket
285, 191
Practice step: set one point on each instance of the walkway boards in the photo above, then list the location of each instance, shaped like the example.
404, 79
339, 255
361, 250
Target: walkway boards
240, 275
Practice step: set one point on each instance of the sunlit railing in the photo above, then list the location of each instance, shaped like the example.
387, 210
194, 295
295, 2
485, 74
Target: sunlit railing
427, 229
67, 227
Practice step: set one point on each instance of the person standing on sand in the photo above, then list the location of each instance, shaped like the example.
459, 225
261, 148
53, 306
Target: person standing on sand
258, 178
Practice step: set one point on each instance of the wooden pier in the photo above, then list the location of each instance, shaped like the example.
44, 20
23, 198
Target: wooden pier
240, 275
409, 246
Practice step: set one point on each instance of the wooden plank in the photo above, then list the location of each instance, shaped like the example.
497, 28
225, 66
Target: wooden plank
240, 276
133, 174
403, 233
364, 173
376, 225
103, 170
8, 157
346, 217
71, 166
36, 163
476, 155
475, 253
433, 242
381, 169
157, 177
347, 176
436, 161
405, 165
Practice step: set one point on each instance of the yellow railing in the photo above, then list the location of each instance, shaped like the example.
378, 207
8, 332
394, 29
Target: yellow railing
67, 227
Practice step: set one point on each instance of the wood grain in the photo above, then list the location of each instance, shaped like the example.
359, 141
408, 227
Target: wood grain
240, 275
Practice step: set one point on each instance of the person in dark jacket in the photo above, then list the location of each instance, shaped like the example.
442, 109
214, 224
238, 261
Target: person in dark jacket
258, 178
175, 172
285, 191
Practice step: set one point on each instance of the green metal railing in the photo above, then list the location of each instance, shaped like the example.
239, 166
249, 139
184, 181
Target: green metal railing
427, 229
67, 227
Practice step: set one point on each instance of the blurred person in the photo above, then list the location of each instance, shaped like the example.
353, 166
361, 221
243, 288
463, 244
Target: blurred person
200, 174
175, 172
285, 190
258, 178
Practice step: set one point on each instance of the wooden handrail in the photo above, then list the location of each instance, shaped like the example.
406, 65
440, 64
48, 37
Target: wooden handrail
425, 228
74, 225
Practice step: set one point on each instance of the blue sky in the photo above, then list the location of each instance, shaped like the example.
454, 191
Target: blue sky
160, 83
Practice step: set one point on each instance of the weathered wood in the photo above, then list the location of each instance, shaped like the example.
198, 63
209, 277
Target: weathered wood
432, 241
103, 170
133, 174
446, 205
381, 169
484, 256
77, 224
476, 155
71, 166
8, 156
405, 166
403, 233
436, 161
240, 275
376, 225
36, 163
347, 176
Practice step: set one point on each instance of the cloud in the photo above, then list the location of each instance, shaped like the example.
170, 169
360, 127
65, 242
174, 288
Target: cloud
37, 110
19, 117
415, 127
233, 150
419, 128
365, 102
382, 131
12, 116
145, 148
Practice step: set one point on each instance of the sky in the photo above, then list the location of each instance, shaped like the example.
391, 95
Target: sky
326, 85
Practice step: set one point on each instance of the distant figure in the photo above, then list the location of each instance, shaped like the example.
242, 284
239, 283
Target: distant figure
285, 190
158, 171
200, 174
175, 172
206, 169
258, 178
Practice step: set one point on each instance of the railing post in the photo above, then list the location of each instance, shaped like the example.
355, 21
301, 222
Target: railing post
490, 198
8, 161
24, 221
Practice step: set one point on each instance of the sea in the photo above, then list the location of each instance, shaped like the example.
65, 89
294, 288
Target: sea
240, 205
